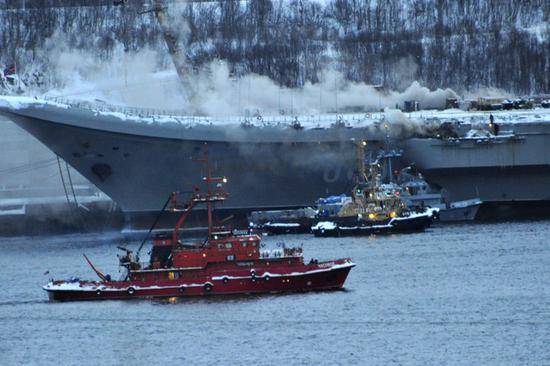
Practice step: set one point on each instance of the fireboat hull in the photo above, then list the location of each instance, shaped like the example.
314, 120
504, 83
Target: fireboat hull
313, 277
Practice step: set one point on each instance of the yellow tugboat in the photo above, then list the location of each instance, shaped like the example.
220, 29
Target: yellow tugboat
374, 208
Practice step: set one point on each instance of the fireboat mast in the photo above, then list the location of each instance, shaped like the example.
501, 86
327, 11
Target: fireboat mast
212, 195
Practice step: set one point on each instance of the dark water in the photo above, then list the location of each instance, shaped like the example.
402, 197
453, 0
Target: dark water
458, 295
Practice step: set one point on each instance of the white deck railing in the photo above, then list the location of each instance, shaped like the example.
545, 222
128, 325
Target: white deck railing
255, 119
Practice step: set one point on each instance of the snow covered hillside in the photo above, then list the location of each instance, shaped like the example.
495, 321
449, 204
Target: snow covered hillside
463, 44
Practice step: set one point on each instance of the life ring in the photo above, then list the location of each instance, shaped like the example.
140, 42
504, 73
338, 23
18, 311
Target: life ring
207, 287
225, 280
131, 290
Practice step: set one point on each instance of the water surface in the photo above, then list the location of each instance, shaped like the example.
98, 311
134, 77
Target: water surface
458, 295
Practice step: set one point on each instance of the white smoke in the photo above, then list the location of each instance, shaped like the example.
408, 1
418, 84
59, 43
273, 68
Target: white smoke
404, 71
398, 124
219, 94
126, 78
139, 79
487, 92
334, 93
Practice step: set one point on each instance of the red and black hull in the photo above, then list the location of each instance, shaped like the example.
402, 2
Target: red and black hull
312, 277
354, 227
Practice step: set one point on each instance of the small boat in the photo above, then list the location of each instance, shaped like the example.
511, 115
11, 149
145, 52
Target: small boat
374, 207
224, 263
418, 193
460, 210
280, 222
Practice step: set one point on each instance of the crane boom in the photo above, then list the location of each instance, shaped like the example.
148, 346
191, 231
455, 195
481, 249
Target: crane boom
174, 38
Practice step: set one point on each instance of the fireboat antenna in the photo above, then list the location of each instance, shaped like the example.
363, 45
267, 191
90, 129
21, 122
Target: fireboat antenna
211, 196
208, 179
208, 191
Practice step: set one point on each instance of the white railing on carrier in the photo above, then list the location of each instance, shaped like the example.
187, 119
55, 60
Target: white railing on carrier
256, 119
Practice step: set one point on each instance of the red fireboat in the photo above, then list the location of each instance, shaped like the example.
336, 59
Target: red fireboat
224, 263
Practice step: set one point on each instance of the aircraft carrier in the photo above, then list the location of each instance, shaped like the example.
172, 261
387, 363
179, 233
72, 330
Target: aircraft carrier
137, 157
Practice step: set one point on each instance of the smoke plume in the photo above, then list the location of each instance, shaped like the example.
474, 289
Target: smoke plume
134, 81
140, 79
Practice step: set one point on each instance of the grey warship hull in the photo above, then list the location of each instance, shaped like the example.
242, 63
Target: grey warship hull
139, 162
139, 165
510, 174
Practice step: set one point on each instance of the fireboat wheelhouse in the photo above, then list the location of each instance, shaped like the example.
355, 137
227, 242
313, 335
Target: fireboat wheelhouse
222, 264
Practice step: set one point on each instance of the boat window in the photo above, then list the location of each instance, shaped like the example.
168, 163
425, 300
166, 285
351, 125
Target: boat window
230, 257
253, 243
245, 264
220, 246
244, 244
228, 245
